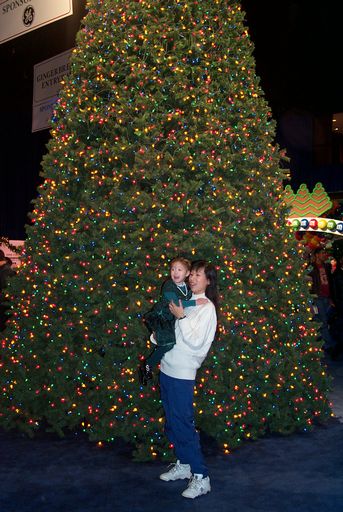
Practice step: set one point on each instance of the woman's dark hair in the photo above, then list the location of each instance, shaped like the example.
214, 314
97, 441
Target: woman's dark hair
211, 291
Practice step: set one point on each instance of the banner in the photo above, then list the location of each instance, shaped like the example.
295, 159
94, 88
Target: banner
9, 253
17, 17
47, 76
319, 224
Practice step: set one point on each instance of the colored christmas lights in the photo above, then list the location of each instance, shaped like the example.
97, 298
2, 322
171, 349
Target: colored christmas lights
161, 144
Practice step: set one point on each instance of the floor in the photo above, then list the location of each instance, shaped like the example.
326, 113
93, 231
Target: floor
297, 473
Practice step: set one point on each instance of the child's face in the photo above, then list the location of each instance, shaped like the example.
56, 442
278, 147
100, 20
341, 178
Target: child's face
178, 272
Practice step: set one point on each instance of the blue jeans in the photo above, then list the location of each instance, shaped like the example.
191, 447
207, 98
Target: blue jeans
177, 399
323, 316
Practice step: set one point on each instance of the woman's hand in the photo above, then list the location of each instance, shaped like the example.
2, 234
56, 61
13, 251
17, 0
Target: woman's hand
201, 301
177, 311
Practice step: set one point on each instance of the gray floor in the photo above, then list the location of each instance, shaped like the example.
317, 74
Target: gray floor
298, 473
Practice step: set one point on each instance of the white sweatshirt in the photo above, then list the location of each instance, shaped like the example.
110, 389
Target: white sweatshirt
194, 335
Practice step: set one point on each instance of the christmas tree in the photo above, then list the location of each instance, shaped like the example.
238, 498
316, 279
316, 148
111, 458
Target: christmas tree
162, 144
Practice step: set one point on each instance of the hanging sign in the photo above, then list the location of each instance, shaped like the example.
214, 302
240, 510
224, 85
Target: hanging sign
17, 17
47, 76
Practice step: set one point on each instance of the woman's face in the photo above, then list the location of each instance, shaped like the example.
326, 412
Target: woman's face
198, 281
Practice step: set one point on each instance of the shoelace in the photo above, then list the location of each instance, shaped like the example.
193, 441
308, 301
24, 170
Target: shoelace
174, 466
195, 483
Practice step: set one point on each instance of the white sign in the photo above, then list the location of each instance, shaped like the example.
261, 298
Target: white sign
41, 115
47, 76
17, 17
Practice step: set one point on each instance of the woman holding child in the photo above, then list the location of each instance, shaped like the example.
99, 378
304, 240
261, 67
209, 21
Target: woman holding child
195, 329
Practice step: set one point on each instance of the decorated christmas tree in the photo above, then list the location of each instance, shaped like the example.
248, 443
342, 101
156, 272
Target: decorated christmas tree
162, 144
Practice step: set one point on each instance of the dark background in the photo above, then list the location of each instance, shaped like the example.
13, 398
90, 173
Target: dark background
298, 49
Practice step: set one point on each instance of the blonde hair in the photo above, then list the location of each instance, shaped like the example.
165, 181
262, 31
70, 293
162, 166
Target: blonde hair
186, 263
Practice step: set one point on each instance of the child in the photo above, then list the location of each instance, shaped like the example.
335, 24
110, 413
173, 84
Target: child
161, 321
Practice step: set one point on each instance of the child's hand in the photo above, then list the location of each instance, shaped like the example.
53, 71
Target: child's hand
201, 301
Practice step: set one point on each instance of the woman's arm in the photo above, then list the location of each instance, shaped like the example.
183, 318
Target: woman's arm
199, 329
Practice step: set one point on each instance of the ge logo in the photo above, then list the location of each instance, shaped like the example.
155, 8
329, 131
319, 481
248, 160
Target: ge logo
28, 16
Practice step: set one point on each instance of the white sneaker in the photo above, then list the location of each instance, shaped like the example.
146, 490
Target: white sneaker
177, 471
197, 486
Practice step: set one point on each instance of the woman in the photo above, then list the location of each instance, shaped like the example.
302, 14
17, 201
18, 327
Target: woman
195, 329
337, 321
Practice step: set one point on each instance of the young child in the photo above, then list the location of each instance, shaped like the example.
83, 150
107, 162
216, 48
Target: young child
160, 321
